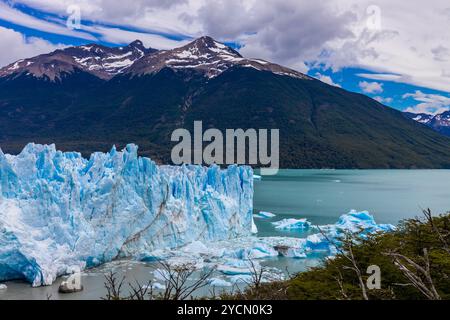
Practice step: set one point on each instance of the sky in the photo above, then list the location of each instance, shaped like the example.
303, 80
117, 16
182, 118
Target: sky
397, 52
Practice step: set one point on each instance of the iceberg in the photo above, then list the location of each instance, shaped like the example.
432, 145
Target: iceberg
361, 222
264, 215
292, 224
217, 282
236, 267
61, 212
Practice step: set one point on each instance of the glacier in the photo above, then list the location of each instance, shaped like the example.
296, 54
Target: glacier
60, 212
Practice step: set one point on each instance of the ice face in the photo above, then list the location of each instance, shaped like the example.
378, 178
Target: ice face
60, 212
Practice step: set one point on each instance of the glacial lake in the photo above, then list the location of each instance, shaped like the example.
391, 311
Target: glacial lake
321, 196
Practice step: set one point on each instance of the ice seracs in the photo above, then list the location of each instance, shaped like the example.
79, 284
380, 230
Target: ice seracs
60, 212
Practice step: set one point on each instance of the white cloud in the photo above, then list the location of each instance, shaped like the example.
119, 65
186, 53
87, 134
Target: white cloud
288, 32
380, 76
326, 79
410, 30
153, 15
15, 16
120, 36
429, 103
371, 87
383, 100
16, 46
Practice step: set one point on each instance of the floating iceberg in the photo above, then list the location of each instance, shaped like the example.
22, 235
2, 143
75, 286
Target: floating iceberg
264, 215
235, 267
217, 282
361, 222
61, 212
292, 224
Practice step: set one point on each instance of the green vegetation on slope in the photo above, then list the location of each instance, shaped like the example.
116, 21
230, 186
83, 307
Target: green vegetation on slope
321, 126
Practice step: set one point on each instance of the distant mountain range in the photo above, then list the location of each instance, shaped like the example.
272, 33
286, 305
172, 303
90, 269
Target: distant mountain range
89, 97
439, 122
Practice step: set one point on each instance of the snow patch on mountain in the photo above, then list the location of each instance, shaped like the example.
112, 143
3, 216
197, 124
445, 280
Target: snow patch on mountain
101, 61
208, 57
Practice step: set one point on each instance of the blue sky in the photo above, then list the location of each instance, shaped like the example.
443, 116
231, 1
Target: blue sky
403, 65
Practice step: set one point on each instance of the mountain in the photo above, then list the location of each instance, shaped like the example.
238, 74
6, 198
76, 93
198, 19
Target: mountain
206, 56
100, 61
439, 122
90, 107
420, 117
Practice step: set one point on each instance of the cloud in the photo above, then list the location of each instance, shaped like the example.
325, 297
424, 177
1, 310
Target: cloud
20, 47
380, 76
120, 36
326, 79
410, 32
383, 100
288, 32
15, 16
371, 87
152, 15
429, 103
441, 53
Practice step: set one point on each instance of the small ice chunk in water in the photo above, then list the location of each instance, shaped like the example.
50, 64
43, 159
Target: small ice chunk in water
158, 286
235, 267
264, 214
216, 282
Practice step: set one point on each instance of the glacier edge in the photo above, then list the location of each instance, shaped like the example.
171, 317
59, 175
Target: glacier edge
60, 212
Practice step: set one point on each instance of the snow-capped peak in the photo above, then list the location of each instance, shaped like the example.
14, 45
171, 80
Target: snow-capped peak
101, 61
207, 56
439, 122
441, 119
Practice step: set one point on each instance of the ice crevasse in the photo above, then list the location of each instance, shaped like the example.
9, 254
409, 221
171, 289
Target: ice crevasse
60, 212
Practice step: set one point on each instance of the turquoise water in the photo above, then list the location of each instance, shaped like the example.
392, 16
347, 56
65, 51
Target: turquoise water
323, 195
